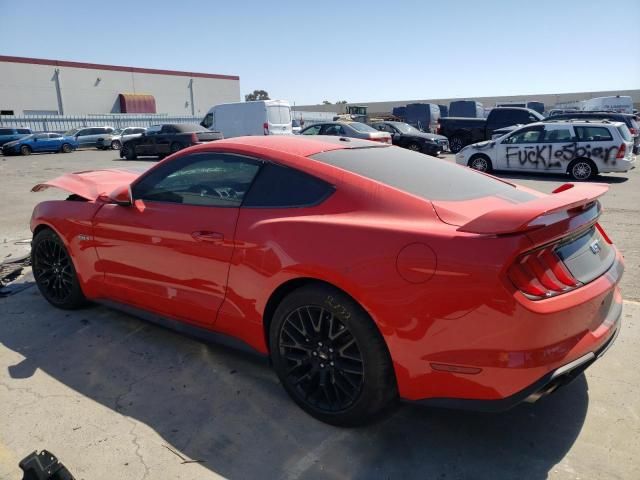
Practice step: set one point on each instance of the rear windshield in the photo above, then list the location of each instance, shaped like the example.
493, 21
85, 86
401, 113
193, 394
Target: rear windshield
426, 177
278, 114
626, 134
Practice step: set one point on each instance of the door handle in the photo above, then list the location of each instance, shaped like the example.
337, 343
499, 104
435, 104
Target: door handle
207, 236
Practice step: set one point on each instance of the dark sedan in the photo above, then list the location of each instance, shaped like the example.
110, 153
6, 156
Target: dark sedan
162, 140
405, 136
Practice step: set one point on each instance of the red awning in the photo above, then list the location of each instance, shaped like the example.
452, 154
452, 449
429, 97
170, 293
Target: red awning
135, 103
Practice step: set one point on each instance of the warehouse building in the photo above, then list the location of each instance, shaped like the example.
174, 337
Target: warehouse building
33, 86
549, 100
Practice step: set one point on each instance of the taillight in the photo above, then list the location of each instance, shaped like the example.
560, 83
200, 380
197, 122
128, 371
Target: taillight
541, 274
634, 131
380, 139
265, 128
604, 234
621, 151
194, 138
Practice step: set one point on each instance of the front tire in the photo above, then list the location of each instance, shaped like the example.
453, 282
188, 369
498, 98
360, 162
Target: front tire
414, 147
482, 163
25, 150
116, 145
330, 357
582, 169
66, 148
54, 271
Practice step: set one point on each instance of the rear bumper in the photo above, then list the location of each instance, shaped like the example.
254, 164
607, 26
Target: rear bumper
621, 165
544, 386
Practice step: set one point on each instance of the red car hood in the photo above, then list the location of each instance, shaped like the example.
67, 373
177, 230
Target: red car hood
92, 183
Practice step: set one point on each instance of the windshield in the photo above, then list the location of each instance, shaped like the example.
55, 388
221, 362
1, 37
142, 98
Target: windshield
361, 127
406, 128
72, 132
117, 131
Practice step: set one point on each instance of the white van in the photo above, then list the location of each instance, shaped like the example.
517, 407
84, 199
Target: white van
260, 117
621, 104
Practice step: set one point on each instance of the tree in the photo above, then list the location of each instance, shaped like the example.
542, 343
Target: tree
341, 102
326, 102
256, 95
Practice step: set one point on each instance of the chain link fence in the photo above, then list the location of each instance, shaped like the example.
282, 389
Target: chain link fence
62, 123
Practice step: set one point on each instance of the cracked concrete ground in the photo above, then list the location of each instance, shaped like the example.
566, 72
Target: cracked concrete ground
116, 397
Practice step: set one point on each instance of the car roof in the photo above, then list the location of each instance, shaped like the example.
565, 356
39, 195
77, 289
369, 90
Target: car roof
298, 145
575, 121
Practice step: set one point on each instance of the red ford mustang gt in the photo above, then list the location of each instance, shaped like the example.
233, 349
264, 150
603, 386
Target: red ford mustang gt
365, 272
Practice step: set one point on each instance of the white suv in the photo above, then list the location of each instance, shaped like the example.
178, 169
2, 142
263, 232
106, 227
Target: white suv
580, 148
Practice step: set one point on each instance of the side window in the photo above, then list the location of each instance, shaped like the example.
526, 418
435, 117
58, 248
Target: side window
7, 131
208, 120
313, 130
41, 136
205, 179
593, 134
24, 130
169, 129
278, 187
333, 130
527, 135
54, 135
153, 129
558, 135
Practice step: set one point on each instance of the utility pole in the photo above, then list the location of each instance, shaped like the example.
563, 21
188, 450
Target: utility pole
56, 79
193, 108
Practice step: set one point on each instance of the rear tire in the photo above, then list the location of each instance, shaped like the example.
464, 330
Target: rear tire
330, 357
582, 169
54, 271
480, 162
456, 144
25, 150
66, 148
128, 152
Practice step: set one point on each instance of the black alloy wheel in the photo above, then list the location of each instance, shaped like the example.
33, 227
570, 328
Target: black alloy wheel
54, 272
330, 356
324, 361
115, 145
455, 144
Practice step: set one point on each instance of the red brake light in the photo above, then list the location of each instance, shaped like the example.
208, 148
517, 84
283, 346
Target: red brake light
621, 151
541, 274
634, 131
265, 128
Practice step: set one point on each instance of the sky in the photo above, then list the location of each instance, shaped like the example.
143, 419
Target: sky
307, 52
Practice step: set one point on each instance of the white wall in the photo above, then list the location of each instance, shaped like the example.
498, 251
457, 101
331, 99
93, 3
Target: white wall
32, 87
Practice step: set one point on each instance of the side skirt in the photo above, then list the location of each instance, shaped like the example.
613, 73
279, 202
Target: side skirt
199, 333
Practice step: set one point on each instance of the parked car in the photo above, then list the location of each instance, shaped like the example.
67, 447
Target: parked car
296, 126
90, 136
116, 138
580, 148
261, 117
464, 131
365, 272
162, 140
40, 142
347, 129
406, 136
630, 120
9, 134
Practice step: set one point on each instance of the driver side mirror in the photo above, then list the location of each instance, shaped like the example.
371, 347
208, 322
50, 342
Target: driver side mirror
121, 196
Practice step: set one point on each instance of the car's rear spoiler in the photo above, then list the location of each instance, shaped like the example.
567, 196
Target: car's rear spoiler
529, 215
